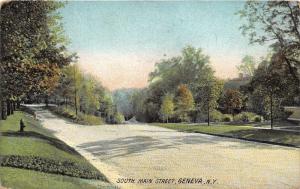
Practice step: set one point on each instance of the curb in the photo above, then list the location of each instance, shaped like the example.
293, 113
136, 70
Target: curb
251, 140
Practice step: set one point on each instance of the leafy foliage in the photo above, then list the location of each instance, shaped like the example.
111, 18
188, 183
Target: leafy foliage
245, 117
275, 23
184, 102
81, 118
248, 65
167, 107
232, 101
50, 166
32, 50
192, 69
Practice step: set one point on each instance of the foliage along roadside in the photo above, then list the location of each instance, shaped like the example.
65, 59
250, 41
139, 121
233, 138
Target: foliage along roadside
33, 51
83, 119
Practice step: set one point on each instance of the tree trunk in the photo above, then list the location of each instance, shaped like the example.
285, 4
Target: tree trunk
271, 108
3, 110
75, 91
208, 118
8, 107
46, 101
11, 107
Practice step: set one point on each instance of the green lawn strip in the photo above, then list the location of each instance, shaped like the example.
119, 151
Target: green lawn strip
39, 143
27, 179
13, 124
240, 132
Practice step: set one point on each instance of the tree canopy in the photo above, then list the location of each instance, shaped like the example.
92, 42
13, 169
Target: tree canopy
276, 23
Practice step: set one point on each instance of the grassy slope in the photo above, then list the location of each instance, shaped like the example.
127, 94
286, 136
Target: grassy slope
295, 112
36, 141
246, 132
81, 118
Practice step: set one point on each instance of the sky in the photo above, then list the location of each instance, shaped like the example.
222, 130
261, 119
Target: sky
120, 42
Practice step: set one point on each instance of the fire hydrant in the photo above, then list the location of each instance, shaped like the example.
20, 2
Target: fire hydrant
22, 125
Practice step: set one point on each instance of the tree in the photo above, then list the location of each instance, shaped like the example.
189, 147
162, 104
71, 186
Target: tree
184, 102
276, 23
232, 101
191, 68
89, 96
207, 96
167, 107
32, 49
272, 83
247, 67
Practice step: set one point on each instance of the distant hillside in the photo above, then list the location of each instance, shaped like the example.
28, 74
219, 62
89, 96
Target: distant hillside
236, 82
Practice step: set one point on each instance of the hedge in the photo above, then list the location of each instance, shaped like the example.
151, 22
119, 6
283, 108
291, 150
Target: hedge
46, 165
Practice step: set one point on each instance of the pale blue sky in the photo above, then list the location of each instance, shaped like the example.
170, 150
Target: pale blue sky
138, 34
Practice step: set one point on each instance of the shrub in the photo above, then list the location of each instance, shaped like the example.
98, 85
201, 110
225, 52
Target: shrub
118, 118
84, 119
216, 116
227, 118
257, 119
46, 165
245, 117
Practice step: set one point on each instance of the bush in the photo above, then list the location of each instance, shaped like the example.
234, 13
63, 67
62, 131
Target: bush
84, 119
46, 165
227, 118
257, 119
245, 117
216, 116
118, 118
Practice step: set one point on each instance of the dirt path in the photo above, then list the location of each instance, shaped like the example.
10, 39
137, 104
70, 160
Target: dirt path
133, 152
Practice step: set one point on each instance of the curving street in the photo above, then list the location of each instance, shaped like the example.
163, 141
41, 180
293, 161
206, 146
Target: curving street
165, 158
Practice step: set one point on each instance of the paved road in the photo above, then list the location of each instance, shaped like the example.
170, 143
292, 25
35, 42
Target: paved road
149, 152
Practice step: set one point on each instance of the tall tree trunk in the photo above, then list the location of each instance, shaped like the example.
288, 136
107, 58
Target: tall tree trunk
208, 118
271, 108
3, 110
11, 107
46, 101
8, 107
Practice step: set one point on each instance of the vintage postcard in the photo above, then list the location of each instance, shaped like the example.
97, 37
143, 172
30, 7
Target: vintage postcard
149, 94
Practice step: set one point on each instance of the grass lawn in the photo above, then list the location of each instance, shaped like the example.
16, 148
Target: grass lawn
242, 132
36, 141
295, 112
27, 179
